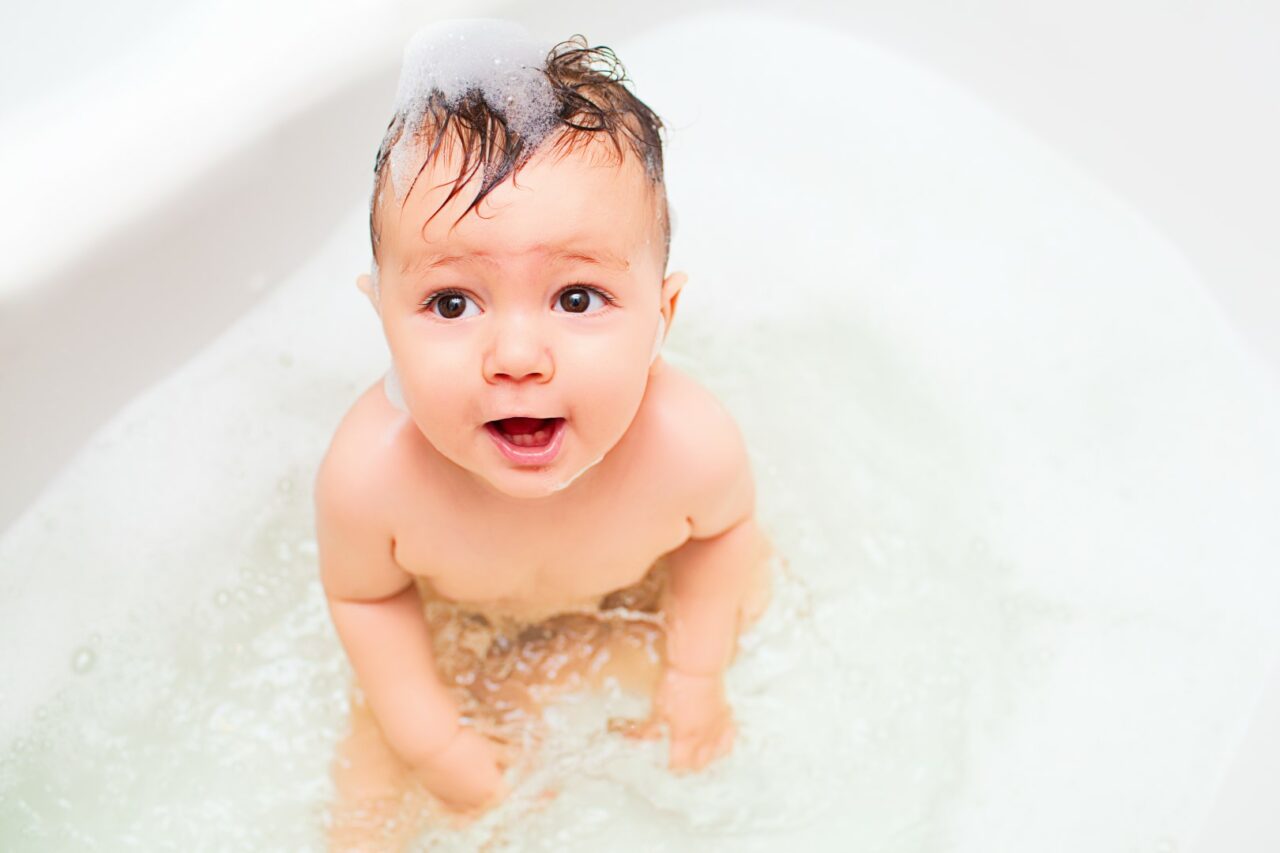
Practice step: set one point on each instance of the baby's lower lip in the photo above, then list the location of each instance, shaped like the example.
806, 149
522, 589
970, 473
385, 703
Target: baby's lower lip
541, 454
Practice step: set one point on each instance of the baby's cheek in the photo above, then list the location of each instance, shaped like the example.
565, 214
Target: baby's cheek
608, 407
444, 409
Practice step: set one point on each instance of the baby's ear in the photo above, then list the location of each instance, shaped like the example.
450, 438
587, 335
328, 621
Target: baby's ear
365, 283
671, 292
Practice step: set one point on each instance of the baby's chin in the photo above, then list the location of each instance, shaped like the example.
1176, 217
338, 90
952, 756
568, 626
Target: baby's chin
532, 484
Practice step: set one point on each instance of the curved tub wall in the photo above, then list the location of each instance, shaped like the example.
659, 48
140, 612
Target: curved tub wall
60, 379
1078, 74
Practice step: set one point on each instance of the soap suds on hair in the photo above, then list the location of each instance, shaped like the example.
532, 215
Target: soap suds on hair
455, 58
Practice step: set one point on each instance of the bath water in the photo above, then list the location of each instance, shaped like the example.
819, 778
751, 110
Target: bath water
1019, 465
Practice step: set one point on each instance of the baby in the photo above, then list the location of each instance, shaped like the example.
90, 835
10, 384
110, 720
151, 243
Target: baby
530, 462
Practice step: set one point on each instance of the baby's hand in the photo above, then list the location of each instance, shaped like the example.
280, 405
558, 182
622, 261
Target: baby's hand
695, 711
466, 775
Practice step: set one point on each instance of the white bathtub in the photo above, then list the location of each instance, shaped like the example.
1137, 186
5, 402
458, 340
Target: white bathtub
135, 242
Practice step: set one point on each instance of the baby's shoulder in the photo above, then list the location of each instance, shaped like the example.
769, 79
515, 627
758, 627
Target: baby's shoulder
705, 452
685, 408
360, 465
356, 493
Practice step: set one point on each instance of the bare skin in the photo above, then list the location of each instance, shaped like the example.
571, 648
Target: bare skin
648, 506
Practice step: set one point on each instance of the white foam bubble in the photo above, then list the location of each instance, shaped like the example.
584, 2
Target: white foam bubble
658, 338
394, 391
455, 57
559, 487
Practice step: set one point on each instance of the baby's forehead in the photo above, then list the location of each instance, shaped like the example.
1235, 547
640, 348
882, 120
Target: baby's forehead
588, 189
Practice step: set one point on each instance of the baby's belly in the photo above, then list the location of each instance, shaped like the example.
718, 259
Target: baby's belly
504, 658
644, 596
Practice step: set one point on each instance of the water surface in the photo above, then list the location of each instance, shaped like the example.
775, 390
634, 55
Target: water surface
1018, 464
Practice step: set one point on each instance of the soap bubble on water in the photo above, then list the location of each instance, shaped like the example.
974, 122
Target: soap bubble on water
83, 660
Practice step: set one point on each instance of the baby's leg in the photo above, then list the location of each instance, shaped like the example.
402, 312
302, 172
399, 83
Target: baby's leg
598, 649
376, 808
760, 592
625, 642
573, 651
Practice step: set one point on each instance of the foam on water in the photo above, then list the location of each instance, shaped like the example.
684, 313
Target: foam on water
1022, 473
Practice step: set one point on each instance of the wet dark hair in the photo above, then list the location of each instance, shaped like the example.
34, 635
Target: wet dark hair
589, 84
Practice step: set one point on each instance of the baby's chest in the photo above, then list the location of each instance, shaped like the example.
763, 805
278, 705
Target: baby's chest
570, 560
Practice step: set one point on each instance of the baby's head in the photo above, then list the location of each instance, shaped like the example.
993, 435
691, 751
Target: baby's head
520, 236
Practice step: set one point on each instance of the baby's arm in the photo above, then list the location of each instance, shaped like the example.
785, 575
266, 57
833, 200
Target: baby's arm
710, 575
378, 614
710, 579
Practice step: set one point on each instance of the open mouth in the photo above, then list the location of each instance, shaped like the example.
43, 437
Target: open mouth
528, 441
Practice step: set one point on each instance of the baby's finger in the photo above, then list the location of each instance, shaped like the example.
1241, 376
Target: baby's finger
506, 751
681, 756
459, 816
720, 746
726, 740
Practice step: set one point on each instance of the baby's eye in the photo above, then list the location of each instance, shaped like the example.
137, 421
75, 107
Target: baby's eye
451, 304
576, 299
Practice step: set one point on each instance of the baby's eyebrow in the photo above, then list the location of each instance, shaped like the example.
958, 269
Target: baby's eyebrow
561, 254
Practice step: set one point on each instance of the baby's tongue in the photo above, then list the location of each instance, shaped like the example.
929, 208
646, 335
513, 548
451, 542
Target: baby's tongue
520, 426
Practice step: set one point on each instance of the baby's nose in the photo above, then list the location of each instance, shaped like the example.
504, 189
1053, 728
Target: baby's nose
518, 351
